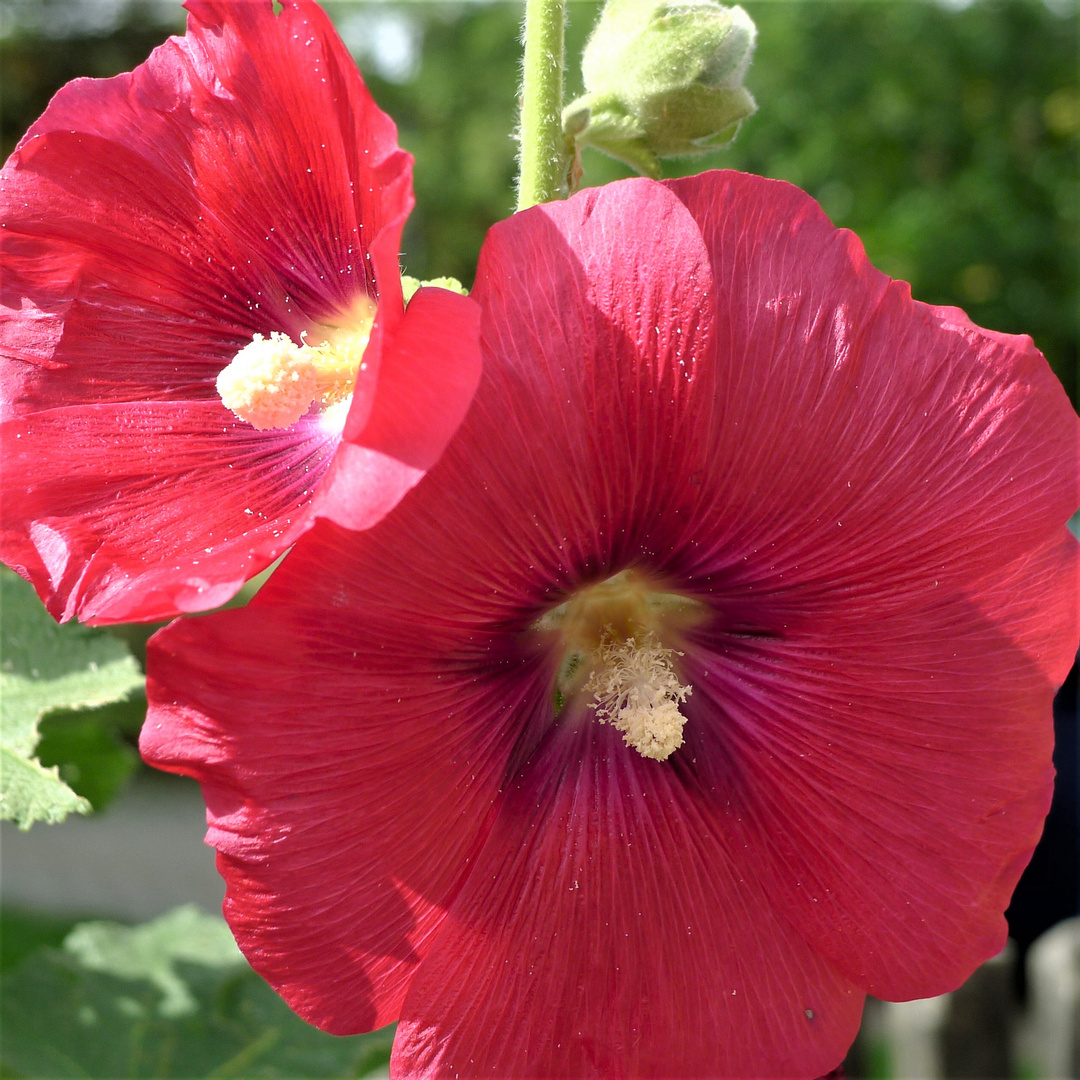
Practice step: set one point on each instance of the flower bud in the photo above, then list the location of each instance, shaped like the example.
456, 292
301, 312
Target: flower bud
410, 285
663, 78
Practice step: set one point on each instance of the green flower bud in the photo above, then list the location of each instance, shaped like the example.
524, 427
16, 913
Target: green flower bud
663, 78
409, 285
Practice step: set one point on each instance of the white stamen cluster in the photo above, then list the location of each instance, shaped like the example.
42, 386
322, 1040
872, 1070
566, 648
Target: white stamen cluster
637, 690
270, 383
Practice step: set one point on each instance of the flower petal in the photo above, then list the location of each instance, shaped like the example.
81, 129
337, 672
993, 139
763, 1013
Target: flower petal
136, 511
863, 440
350, 775
241, 181
427, 375
609, 928
889, 771
585, 438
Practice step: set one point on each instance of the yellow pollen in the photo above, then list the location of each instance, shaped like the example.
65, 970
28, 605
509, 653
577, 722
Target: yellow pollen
637, 690
272, 382
610, 638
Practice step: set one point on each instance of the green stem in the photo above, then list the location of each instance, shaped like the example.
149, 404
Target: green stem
544, 157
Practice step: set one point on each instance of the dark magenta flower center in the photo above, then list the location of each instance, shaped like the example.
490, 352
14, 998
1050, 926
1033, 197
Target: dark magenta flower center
615, 641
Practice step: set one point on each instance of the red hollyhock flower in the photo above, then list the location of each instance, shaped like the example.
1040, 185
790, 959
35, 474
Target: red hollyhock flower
238, 197
702, 688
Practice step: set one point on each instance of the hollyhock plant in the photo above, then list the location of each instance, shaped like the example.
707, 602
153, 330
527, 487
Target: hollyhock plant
202, 335
702, 688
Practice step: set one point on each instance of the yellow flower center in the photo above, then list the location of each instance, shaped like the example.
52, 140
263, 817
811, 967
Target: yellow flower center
611, 639
272, 382
636, 689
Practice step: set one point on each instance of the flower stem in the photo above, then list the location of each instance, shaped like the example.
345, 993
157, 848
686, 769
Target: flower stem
544, 157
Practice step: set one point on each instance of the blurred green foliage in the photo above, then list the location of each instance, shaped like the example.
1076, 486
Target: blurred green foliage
170, 998
945, 135
22, 932
946, 140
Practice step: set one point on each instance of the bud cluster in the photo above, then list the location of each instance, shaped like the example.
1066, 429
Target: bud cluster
663, 78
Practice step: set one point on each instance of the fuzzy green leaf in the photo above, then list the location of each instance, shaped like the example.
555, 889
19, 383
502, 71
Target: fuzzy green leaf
46, 667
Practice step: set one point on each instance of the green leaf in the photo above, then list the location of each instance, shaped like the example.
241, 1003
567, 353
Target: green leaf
152, 951
23, 930
93, 758
171, 998
46, 667
29, 792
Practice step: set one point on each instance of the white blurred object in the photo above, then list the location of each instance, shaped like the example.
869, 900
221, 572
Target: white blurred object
967, 1033
141, 857
389, 39
912, 1030
1052, 1027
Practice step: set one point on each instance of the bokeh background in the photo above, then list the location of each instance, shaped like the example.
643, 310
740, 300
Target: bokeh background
945, 133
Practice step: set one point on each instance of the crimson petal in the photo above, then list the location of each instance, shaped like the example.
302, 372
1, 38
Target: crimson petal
349, 777
610, 928
122, 552
891, 789
241, 181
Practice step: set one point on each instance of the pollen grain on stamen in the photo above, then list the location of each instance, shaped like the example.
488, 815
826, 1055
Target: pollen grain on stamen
636, 689
272, 382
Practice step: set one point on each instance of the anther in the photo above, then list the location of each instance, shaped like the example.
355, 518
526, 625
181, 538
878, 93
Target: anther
272, 382
637, 690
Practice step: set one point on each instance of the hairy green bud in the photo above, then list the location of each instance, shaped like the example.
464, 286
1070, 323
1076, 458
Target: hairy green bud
663, 78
